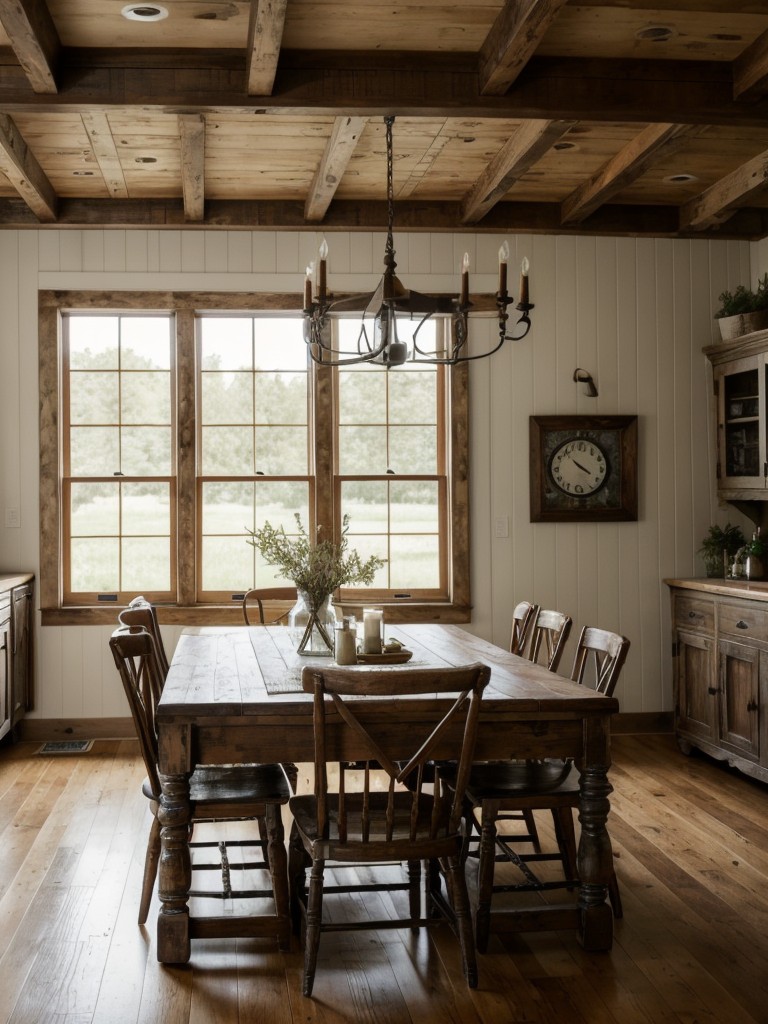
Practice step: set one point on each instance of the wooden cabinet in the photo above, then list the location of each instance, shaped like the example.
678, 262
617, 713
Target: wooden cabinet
740, 369
720, 648
16, 649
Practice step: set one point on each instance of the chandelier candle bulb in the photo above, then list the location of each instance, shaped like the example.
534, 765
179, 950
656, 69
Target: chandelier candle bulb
524, 268
464, 299
503, 257
373, 621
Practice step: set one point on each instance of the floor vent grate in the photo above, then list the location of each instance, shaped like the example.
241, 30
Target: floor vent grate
66, 747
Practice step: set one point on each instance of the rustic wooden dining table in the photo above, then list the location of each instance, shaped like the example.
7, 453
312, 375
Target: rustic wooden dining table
233, 694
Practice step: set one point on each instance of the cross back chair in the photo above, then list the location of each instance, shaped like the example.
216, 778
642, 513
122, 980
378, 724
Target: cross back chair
259, 596
550, 632
522, 619
538, 785
393, 823
141, 613
217, 793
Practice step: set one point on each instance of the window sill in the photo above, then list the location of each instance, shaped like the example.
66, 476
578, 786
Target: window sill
231, 615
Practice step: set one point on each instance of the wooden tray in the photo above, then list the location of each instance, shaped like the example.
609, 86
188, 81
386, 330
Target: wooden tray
386, 658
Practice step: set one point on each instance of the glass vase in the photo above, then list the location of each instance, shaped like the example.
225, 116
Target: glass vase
312, 629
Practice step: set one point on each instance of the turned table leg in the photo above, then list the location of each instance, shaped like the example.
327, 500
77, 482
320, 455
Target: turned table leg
175, 870
595, 860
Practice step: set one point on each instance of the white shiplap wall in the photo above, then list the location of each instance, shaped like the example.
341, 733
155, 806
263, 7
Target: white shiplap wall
635, 313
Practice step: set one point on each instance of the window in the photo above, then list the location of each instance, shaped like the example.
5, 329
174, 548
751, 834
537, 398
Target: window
170, 428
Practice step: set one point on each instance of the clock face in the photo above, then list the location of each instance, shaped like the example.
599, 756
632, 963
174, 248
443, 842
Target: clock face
579, 466
583, 468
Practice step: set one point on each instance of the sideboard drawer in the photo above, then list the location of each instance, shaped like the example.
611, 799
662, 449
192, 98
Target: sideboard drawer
694, 613
743, 620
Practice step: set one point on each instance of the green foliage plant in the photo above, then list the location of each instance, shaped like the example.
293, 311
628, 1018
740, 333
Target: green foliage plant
744, 300
316, 569
720, 538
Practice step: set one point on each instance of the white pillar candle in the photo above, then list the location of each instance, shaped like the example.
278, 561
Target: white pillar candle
372, 622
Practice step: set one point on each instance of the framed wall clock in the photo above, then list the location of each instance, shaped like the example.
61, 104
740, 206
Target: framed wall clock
583, 468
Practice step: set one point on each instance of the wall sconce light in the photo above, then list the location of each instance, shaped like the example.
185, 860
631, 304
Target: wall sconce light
585, 377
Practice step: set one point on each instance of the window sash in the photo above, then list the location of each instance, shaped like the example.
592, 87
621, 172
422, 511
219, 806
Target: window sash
187, 605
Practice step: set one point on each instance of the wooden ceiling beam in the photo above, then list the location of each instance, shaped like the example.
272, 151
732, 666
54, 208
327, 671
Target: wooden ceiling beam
535, 218
34, 39
630, 163
518, 154
265, 37
19, 165
513, 39
674, 92
341, 145
192, 137
750, 71
717, 203
96, 124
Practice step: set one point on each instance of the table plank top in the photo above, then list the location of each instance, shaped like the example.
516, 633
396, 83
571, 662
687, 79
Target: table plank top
225, 671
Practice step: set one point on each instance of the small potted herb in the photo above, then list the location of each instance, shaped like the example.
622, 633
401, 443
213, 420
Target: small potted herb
719, 539
743, 310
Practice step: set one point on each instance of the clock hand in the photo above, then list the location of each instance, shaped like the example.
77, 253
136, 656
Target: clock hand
582, 468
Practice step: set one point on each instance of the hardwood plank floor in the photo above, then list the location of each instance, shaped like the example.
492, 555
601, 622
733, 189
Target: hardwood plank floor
690, 843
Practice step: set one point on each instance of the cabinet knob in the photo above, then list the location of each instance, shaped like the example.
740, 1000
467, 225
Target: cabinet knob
694, 615
752, 706
741, 624
712, 690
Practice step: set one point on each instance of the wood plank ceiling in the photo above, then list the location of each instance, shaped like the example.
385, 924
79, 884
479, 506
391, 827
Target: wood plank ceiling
640, 117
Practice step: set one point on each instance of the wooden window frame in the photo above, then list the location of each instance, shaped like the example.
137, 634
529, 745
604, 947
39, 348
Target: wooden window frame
187, 610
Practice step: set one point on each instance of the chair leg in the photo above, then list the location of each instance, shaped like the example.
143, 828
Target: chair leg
566, 839
533, 832
151, 861
314, 922
457, 887
414, 893
615, 896
278, 870
485, 874
298, 861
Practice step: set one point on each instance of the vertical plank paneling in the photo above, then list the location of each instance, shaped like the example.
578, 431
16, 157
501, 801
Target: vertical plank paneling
627, 567
635, 313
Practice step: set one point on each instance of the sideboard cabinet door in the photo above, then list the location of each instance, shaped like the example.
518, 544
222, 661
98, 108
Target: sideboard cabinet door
738, 693
695, 682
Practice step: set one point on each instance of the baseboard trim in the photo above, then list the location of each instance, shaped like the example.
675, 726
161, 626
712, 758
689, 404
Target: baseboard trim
44, 729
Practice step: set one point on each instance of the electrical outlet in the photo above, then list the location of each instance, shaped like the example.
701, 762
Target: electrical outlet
12, 519
501, 526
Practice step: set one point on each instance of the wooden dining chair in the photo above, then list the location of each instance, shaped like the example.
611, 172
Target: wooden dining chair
141, 613
522, 619
550, 632
258, 597
217, 793
498, 787
390, 822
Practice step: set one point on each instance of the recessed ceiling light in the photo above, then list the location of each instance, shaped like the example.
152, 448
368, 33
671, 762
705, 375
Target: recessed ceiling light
655, 33
146, 159
144, 12
83, 174
680, 179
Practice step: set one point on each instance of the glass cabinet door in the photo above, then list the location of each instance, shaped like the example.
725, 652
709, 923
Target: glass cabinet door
741, 421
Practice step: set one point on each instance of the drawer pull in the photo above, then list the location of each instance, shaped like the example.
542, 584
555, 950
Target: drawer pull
695, 615
741, 624
712, 690
752, 706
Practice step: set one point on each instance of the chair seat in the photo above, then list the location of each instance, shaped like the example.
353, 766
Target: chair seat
235, 784
424, 843
521, 779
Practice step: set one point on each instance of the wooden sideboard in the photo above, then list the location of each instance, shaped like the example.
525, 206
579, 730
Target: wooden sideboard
720, 656
15, 649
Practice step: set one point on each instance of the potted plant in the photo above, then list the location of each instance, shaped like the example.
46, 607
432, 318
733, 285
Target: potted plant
317, 570
743, 310
719, 539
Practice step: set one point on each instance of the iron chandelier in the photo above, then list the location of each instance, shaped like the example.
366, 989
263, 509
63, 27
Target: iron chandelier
379, 311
